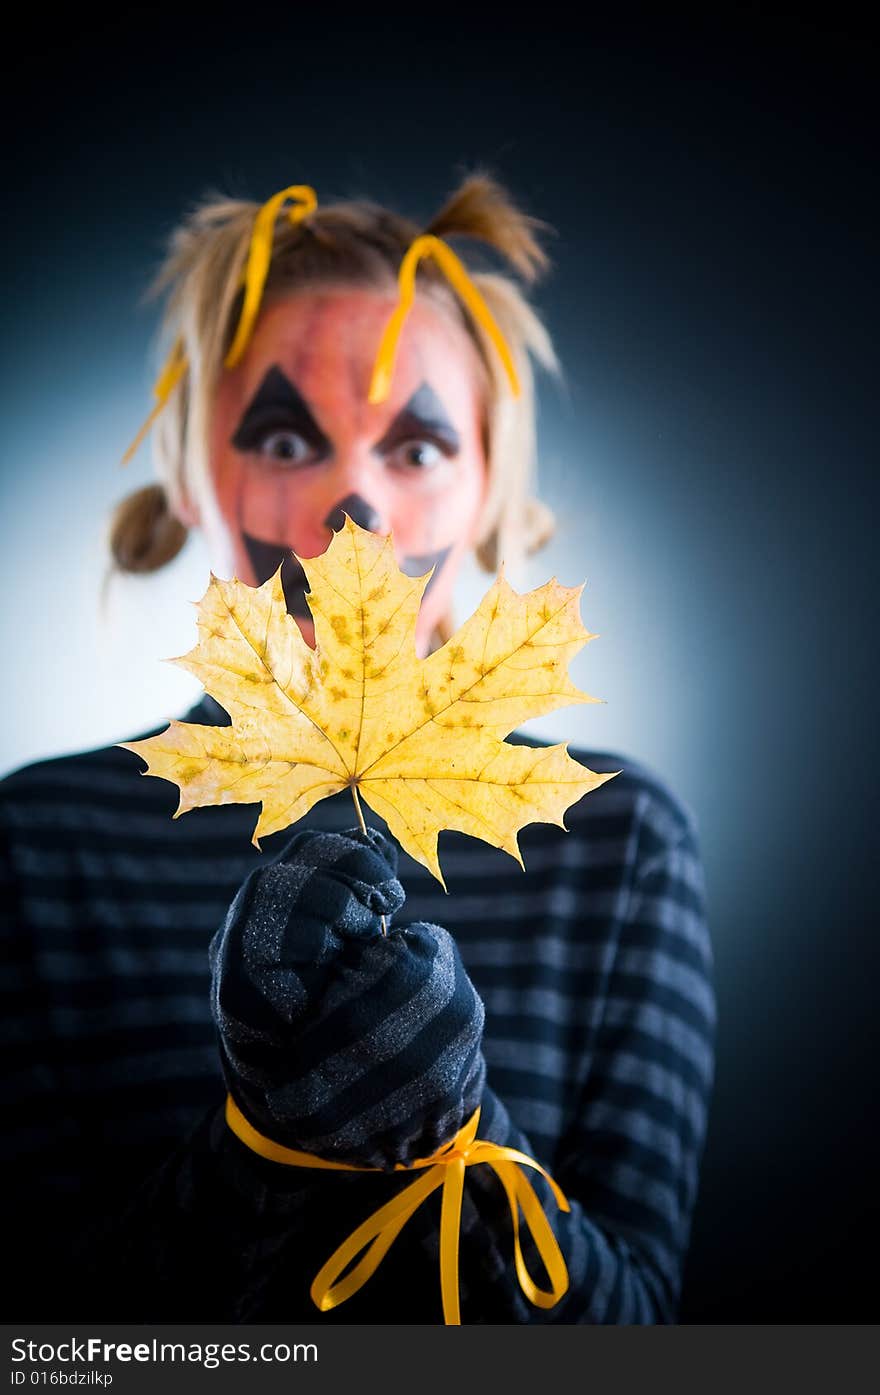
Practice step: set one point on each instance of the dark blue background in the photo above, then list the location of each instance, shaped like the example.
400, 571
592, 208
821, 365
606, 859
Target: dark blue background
713, 300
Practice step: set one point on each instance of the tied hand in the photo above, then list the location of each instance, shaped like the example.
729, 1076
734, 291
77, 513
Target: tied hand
335, 1038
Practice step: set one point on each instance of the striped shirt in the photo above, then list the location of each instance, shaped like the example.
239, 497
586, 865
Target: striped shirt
128, 1197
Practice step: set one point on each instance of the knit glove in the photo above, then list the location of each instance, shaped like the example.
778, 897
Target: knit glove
335, 1038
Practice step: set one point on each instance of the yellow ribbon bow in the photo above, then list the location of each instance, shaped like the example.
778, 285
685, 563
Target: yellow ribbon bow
253, 279
455, 273
444, 1168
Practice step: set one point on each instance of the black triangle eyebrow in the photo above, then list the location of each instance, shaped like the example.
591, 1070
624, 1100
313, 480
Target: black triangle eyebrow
423, 415
276, 405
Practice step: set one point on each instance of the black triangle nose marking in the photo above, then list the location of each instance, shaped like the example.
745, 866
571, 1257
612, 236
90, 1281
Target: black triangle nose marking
358, 510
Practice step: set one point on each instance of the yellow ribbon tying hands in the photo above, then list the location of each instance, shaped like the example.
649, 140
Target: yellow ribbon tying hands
455, 273
446, 1169
253, 279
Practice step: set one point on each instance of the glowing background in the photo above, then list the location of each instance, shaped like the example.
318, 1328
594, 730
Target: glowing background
710, 457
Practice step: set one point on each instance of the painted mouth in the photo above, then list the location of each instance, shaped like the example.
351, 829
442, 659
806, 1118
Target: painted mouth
266, 557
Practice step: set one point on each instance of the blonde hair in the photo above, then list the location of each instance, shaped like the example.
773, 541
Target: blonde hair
350, 243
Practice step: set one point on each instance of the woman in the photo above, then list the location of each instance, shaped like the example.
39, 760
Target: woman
572, 1006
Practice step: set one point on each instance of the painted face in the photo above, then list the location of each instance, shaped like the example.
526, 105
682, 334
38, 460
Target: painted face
295, 445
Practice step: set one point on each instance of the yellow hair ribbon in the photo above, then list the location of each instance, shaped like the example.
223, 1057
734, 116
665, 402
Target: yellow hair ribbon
253, 278
456, 274
172, 371
260, 255
446, 1169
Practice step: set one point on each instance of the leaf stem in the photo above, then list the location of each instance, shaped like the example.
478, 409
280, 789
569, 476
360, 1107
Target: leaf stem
357, 809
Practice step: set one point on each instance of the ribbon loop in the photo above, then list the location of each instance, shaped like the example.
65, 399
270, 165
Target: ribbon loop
456, 274
375, 1235
444, 1169
260, 255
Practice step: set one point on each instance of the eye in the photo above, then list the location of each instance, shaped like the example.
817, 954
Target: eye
418, 455
288, 446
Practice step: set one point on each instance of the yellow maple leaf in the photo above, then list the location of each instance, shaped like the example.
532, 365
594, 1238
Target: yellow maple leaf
422, 740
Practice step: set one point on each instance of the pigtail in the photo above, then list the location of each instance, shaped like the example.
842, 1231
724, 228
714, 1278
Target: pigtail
481, 208
144, 533
515, 523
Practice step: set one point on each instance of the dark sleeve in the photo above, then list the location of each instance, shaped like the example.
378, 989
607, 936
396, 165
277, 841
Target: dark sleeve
629, 1161
75, 1216
180, 1234
40, 1141
198, 1230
